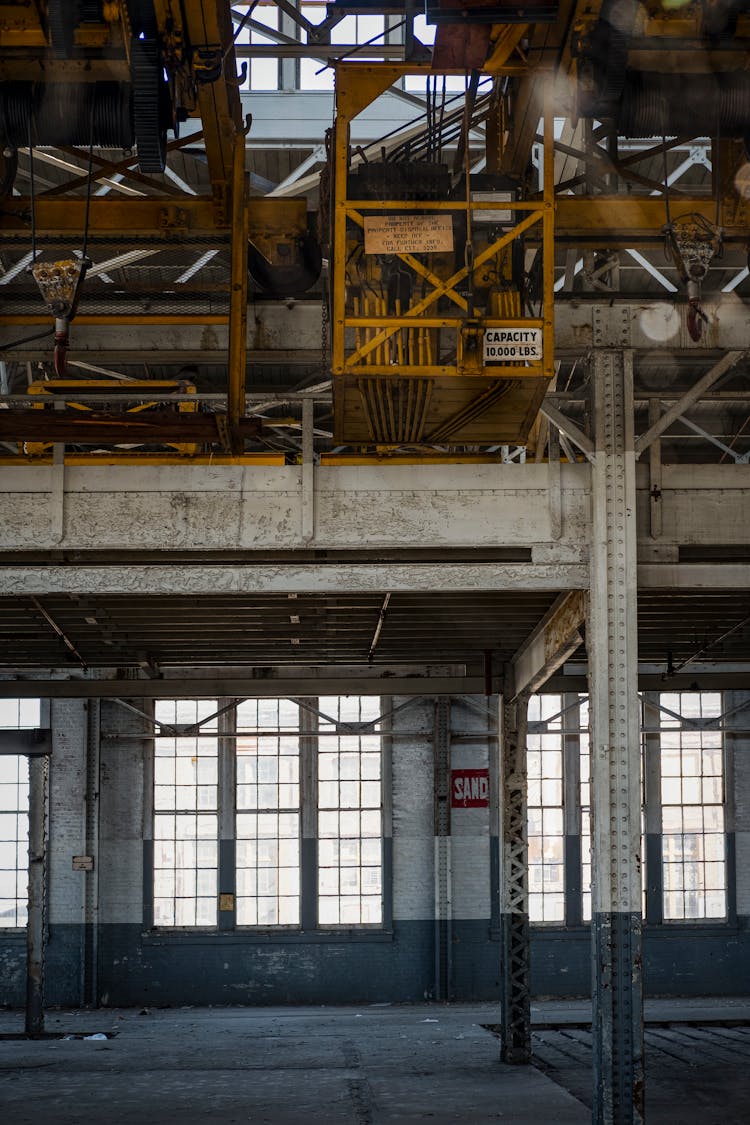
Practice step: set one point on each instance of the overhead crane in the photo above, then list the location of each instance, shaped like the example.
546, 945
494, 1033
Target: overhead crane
427, 342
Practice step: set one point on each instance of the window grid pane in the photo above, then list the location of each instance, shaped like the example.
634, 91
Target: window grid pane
15, 714
692, 798
585, 798
268, 817
186, 793
545, 810
14, 839
350, 819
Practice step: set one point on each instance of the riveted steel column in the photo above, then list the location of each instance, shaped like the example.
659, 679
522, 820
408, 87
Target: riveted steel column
90, 951
442, 775
611, 640
35, 927
516, 1014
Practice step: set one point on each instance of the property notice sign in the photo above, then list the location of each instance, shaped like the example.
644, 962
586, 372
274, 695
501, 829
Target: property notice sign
505, 345
408, 234
470, 789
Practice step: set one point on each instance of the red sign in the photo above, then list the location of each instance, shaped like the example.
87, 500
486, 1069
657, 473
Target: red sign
470, 789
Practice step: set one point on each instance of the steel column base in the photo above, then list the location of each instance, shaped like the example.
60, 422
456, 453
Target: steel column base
617, 1019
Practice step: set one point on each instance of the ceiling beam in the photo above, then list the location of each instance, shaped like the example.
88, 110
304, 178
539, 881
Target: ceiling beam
725, 364
95, 427
554, 640
218, 687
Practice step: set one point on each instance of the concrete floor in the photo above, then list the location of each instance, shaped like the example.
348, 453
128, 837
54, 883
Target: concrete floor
355, 1066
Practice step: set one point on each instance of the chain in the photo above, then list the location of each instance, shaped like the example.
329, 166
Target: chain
324, 324
325, 236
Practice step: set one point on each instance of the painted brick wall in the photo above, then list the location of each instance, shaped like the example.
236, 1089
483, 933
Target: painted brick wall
740, 783
67, 811
470, 828
134, 969
121, 814
413, 826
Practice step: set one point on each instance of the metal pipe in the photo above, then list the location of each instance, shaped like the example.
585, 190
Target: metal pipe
35, 925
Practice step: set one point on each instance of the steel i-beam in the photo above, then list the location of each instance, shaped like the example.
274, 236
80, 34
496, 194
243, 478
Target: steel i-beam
611, 638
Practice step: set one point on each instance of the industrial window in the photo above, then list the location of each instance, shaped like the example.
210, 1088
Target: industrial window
15, 714
692, 806
545, 810
584, 760
684, 805
268, 813
313, 73
315, 762
185, 815
262, 73
349, 815
14, 839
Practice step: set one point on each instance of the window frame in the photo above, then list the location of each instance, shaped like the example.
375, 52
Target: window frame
30, 715
653, 847
308, 927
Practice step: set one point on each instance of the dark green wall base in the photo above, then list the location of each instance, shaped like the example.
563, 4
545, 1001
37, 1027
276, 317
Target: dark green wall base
227, 968
679, 960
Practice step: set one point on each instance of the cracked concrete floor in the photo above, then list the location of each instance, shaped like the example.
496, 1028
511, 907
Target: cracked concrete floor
362, 1066
274, 1066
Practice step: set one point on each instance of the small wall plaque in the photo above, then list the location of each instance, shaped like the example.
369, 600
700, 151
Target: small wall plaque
83, 863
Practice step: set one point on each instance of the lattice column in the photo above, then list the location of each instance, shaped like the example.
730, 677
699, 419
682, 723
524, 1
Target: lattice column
443, 935
516, 1015
611, 639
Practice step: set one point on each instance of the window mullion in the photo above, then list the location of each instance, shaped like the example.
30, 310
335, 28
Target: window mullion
654, 874
227, 913
309, 802
572, 810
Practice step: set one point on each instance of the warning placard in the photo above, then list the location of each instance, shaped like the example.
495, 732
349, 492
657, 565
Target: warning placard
505, 345
408, 234
470, 789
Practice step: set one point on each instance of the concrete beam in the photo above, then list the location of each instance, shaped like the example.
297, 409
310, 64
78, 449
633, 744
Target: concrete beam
220, 687
312, 578
251, 508
553, 641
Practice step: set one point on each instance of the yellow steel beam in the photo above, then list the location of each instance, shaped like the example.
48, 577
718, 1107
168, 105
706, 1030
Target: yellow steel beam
238, 293
506, 38
25, 66
549, 223
119, 318
628, 221
150, 459
613, 220
209, 30
162, 217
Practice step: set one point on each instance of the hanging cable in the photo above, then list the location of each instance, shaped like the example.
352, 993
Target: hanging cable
31, 179
88, 181
666, 178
